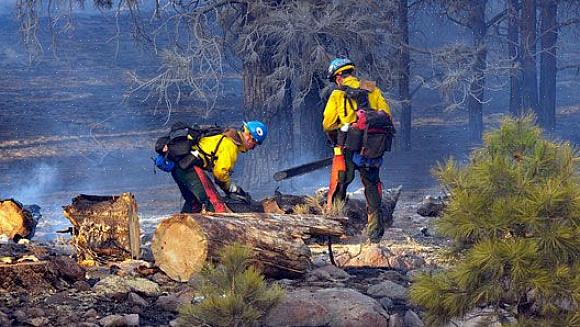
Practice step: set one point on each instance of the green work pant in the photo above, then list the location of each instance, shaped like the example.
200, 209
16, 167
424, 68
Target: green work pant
192, 190
372, 184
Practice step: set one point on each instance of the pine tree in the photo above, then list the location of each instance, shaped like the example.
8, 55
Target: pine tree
234, 293
514, 222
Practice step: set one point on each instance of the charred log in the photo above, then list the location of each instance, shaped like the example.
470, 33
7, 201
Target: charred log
105, 226
18, 221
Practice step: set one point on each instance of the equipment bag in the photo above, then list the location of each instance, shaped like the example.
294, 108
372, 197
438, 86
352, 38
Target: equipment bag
372, 134
180, 140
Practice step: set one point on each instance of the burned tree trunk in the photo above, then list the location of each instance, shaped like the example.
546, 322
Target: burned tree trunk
530, 81
548, 62
404, 76
476, 89
16, 221
182, 243
105, 226
514, 50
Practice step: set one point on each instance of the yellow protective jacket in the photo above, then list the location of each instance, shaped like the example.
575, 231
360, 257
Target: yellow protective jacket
334, 117
226, 155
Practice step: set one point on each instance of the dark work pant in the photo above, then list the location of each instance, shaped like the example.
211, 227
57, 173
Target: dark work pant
371, 181
192, 190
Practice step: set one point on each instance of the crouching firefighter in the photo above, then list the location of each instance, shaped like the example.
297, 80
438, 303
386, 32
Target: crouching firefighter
207, 149
359, 122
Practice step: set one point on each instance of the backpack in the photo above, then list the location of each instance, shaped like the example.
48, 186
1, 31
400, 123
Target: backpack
179, 141
372, 134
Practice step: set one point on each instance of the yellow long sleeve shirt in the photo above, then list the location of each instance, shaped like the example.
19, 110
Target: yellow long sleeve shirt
334, 112
225, 156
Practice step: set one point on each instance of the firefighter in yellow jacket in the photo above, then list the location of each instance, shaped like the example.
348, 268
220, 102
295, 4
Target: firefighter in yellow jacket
339, 114
218, 154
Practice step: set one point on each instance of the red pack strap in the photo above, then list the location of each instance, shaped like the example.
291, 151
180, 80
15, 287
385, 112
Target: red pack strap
215, 199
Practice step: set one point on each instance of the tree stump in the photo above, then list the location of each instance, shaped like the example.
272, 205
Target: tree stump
16, 221
182, 243
105, 226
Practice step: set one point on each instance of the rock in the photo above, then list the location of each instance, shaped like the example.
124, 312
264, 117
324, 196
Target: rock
35, 312
132, 320
5, 320
348, 307
388, 289
367, 255
174, 323
131, 267
411, 319
298, 308
97, 273
58, 298
482, 317
20, 316
39, 321
396, 321
134, 298
327, 307
431, 206
168, 302
82, 286
112, 321
69, 269
87, 324
327, 273
387, 303
160, 278
115, 285
91, 313
394, 276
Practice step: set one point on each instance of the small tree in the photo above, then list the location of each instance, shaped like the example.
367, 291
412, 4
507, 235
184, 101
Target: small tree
514, 218
234, 292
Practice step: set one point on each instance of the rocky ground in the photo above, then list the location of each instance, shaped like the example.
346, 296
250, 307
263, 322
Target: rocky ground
367, 288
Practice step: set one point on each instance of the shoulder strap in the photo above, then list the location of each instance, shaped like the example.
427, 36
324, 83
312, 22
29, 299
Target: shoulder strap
212, 155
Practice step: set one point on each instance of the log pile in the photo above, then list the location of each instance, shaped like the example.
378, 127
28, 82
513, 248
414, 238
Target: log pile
105, 226
182, 243
16, 220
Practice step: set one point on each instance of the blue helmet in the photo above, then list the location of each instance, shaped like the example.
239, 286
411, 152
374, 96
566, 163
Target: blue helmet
339, 65
257, 129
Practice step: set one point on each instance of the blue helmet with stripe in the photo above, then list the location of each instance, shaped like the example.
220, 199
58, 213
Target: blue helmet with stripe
338, 65
257, 129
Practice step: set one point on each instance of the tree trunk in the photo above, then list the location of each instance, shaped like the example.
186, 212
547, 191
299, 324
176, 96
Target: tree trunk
182, 243
404, 75
277, 151
476, 89
528, 33
514, 50
16, 221
548, 62
309, 138
105, 226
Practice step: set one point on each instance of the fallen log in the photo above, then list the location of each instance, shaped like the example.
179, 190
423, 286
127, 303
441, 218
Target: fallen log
182, 243
16, 220
105, 226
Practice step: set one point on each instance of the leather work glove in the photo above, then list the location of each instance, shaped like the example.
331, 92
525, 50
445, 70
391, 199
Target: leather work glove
237, 193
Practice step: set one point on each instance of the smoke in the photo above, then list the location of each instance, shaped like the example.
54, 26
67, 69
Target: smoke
42, 179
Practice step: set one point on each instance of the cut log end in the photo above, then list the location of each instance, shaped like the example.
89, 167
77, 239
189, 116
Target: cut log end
180, 247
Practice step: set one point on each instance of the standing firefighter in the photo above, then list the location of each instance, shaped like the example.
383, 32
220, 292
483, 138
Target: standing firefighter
359, 121
216, 152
